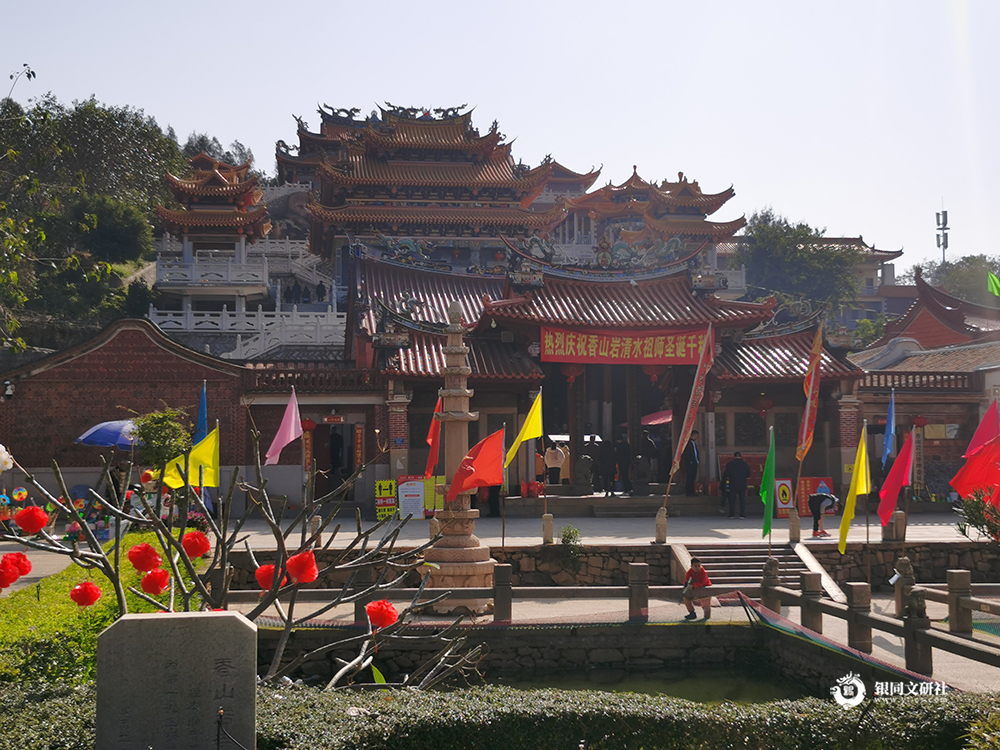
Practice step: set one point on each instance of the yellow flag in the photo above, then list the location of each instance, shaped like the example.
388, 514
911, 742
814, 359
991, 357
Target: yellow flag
860, 485
204, 454
532, 428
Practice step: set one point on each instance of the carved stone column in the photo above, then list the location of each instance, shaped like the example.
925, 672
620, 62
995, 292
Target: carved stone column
462, 560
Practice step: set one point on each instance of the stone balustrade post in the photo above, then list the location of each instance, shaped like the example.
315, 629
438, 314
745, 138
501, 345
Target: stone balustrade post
661, 526
362, 581
503, 593
859, 601
959, 617
547, 528
770, 579
811, 585
638, 592
898, 522
919, 656
906, 581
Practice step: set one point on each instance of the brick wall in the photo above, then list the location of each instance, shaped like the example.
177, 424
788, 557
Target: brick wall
128, 374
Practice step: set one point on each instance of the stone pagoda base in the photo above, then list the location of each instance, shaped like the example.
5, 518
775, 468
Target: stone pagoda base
462, 560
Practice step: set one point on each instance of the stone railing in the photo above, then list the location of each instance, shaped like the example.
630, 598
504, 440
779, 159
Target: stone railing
309, 377
736, 279
962, 382
259, 321
208, 273
290, 329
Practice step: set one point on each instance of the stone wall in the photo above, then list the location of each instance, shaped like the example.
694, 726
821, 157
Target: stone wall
607, 565
931, 561
517, 650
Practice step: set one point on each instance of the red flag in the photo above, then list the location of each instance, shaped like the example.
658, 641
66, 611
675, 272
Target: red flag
434, 441
705, 362
981, 472
988, 429
481, 467
811, 388
899, 475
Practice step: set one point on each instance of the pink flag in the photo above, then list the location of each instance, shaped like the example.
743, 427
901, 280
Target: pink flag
988, 429
291, 429
981, 472
898, 477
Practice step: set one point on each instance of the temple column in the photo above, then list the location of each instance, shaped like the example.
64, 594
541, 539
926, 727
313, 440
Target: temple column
461, 559
187, 250
849, 427
398, 405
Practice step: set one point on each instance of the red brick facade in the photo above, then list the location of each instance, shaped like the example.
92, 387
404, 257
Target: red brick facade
130, 368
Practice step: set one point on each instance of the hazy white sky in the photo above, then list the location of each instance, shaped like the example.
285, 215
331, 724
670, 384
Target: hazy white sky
857, 116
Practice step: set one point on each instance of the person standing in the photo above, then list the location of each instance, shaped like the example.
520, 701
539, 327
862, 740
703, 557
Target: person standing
321, 292
697, 577
554, 459
737, 473
691, 461
593, 451
606, 463
623, 459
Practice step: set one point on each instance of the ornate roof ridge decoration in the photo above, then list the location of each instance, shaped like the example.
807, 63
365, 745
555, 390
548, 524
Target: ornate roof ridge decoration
475, 217
339, 115
215, 184
443, 114
801, 317
215, 165
621, 261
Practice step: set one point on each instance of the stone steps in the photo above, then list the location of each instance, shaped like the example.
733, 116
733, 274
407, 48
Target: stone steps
743, 564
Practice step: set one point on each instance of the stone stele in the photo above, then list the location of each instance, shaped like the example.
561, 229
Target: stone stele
163, 678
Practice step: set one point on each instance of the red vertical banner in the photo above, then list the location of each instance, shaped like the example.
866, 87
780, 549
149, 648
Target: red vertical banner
307, 449
705, 361
359, 444
811, 388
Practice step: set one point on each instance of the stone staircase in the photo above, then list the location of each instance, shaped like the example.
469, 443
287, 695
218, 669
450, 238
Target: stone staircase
741, 563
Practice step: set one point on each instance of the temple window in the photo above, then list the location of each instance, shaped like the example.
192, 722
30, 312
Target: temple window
750, 429
786, 429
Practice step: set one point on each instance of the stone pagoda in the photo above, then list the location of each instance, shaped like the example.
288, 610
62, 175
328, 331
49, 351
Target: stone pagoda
463, 560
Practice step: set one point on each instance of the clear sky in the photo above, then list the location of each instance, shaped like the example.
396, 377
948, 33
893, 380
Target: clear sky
859, 116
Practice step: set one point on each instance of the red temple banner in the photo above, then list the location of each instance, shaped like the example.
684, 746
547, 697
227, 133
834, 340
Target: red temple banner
673, 346
705, 361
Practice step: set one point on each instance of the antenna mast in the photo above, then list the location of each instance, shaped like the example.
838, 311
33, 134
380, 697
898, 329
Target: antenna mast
942, 236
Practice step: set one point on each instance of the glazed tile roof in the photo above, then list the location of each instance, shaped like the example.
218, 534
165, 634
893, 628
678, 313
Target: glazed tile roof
389, 284
489, 359
693, 227
214, 184
659, 302
778, 359
967, 358
491, 173
254, 223
637, 196
449, 215
561, 174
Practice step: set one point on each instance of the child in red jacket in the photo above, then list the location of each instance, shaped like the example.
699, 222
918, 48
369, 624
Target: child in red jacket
696, 578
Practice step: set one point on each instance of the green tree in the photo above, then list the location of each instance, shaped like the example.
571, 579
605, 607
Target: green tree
869, 330
115, 232
965, 277
165, 435
784, 257
137, 299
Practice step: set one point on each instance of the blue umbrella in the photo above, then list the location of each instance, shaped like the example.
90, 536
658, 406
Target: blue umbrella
120, 433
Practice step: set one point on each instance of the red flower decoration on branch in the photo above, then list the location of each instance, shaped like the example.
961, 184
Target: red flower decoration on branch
381, 614
196, 544
9, 573
156, 581
265, 577
144, 558
302, 567
32, 519
85, 594
20, 560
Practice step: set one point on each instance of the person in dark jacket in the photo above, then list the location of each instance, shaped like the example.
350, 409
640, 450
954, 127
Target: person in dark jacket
623, 459
737, 473
690, 460
606, 462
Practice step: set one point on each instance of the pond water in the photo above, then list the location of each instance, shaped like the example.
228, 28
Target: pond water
709, 685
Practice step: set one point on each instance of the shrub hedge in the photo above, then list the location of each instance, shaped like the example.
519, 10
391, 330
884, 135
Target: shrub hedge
37, 716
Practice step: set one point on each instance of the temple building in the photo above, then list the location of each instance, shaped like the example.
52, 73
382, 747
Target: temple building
600, 296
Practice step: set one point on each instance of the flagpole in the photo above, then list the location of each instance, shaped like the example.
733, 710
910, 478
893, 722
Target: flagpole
868, 503
503, 510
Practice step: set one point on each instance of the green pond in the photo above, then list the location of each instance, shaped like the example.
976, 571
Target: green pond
702, 685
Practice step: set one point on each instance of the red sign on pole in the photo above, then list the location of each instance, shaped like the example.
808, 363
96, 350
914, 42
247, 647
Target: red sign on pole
673, 346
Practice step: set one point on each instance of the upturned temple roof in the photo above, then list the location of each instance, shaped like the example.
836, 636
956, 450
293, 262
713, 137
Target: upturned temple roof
491, 173
254, 223
937, 319
489, 359
783, 358
473, 217
663, 302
